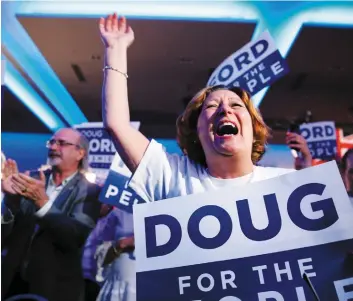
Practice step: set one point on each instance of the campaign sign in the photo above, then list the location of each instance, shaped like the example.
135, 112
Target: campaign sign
116, 190
253, 67
101, 147
321, 139
253, 243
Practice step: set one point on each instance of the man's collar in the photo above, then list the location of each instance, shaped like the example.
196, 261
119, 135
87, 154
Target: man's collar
68, 179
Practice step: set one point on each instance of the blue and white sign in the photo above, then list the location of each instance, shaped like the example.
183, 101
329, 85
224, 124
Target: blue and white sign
248, 244
116, 190
253, 67
101, 147
321, 139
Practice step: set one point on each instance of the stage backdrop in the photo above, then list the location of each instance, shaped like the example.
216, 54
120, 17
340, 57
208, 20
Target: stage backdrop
30, 152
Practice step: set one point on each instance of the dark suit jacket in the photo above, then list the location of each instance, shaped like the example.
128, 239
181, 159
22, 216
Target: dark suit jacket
47, 250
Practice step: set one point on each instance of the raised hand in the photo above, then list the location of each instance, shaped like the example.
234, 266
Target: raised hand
115, 31
298, 142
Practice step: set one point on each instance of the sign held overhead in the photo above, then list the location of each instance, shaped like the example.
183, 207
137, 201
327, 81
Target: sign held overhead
253, 67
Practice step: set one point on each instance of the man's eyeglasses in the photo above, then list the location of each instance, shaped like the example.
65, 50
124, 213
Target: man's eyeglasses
60, 143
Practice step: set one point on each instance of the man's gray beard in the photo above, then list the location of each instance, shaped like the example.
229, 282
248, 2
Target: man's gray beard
53, 161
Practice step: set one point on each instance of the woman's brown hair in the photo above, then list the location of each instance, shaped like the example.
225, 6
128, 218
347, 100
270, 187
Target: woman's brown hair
187, 126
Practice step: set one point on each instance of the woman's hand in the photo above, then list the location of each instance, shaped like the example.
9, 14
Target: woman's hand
124, 245
115, 32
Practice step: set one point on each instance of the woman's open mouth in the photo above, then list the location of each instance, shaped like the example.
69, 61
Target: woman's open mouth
226, 129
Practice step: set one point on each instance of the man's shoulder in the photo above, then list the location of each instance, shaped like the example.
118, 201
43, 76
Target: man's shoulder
92, 188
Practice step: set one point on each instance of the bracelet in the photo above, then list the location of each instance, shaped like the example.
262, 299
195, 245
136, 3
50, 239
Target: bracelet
116, 70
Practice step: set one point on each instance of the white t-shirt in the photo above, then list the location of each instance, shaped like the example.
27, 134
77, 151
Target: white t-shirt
161, 175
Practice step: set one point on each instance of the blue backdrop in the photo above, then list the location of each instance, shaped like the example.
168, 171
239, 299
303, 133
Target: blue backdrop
29, 150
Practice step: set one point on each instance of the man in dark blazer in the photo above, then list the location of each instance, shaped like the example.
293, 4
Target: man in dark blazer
51, 215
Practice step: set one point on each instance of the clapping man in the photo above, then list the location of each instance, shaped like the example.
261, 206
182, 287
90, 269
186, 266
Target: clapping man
53, 213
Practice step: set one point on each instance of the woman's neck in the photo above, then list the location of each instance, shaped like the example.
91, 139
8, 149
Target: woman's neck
230, 167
